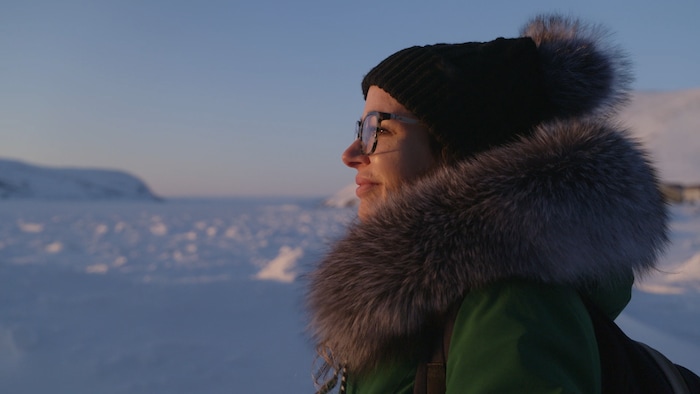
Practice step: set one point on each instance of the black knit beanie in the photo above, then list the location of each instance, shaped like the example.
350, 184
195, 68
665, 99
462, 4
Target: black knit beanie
475, 96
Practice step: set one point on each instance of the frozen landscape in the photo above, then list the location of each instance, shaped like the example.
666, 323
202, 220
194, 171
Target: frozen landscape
148, 297
136, 295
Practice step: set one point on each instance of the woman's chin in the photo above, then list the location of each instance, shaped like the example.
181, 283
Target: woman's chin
364, 210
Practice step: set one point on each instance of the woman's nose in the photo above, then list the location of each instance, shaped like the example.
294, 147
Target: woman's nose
353, 157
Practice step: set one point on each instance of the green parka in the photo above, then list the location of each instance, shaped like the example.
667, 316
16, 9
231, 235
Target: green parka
518, 337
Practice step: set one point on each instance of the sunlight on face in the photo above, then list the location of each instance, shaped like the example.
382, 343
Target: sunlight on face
402, 154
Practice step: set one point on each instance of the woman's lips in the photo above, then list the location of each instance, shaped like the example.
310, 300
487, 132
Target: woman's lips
363, 186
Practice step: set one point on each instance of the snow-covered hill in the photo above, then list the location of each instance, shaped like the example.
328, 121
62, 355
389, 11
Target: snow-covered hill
20, 180
667, 124
344, 197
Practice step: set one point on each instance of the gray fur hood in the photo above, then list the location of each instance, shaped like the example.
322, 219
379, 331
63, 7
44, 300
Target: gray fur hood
576, 203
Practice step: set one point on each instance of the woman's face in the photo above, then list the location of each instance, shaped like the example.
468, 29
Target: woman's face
402, 154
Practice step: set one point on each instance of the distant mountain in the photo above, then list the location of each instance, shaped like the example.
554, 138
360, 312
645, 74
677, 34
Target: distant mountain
343, 198
667, 124
19, 180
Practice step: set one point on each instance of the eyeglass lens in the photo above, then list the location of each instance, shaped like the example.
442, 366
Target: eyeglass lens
367, 133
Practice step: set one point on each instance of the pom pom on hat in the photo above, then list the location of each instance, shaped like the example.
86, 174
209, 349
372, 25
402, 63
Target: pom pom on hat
582, 74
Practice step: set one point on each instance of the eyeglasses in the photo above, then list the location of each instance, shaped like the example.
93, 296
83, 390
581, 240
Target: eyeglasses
368, 129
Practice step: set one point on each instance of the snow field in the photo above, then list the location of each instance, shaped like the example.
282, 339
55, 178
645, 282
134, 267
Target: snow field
206, 296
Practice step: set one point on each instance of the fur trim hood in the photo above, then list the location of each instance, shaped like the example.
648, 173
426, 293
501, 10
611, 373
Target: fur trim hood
575, 203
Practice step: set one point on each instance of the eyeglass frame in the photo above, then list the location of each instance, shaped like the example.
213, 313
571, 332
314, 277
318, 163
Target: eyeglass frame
359, 126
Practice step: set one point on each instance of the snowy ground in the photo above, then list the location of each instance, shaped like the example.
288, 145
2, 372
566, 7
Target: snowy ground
204, 296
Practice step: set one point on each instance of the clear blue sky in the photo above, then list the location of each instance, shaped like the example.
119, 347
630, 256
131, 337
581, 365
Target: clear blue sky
244, 98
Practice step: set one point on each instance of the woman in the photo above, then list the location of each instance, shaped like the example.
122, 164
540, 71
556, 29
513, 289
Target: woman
496, 199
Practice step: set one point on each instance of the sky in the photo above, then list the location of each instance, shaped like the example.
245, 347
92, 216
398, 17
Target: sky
255, 98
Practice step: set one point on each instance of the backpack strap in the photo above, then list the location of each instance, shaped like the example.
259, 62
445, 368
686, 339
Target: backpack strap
431, 377
628, 366
673, 375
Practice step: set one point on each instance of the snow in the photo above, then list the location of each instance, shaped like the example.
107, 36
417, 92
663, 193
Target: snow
206, 296
345, 197
181, 296
203, 296
282, 267
668, 124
